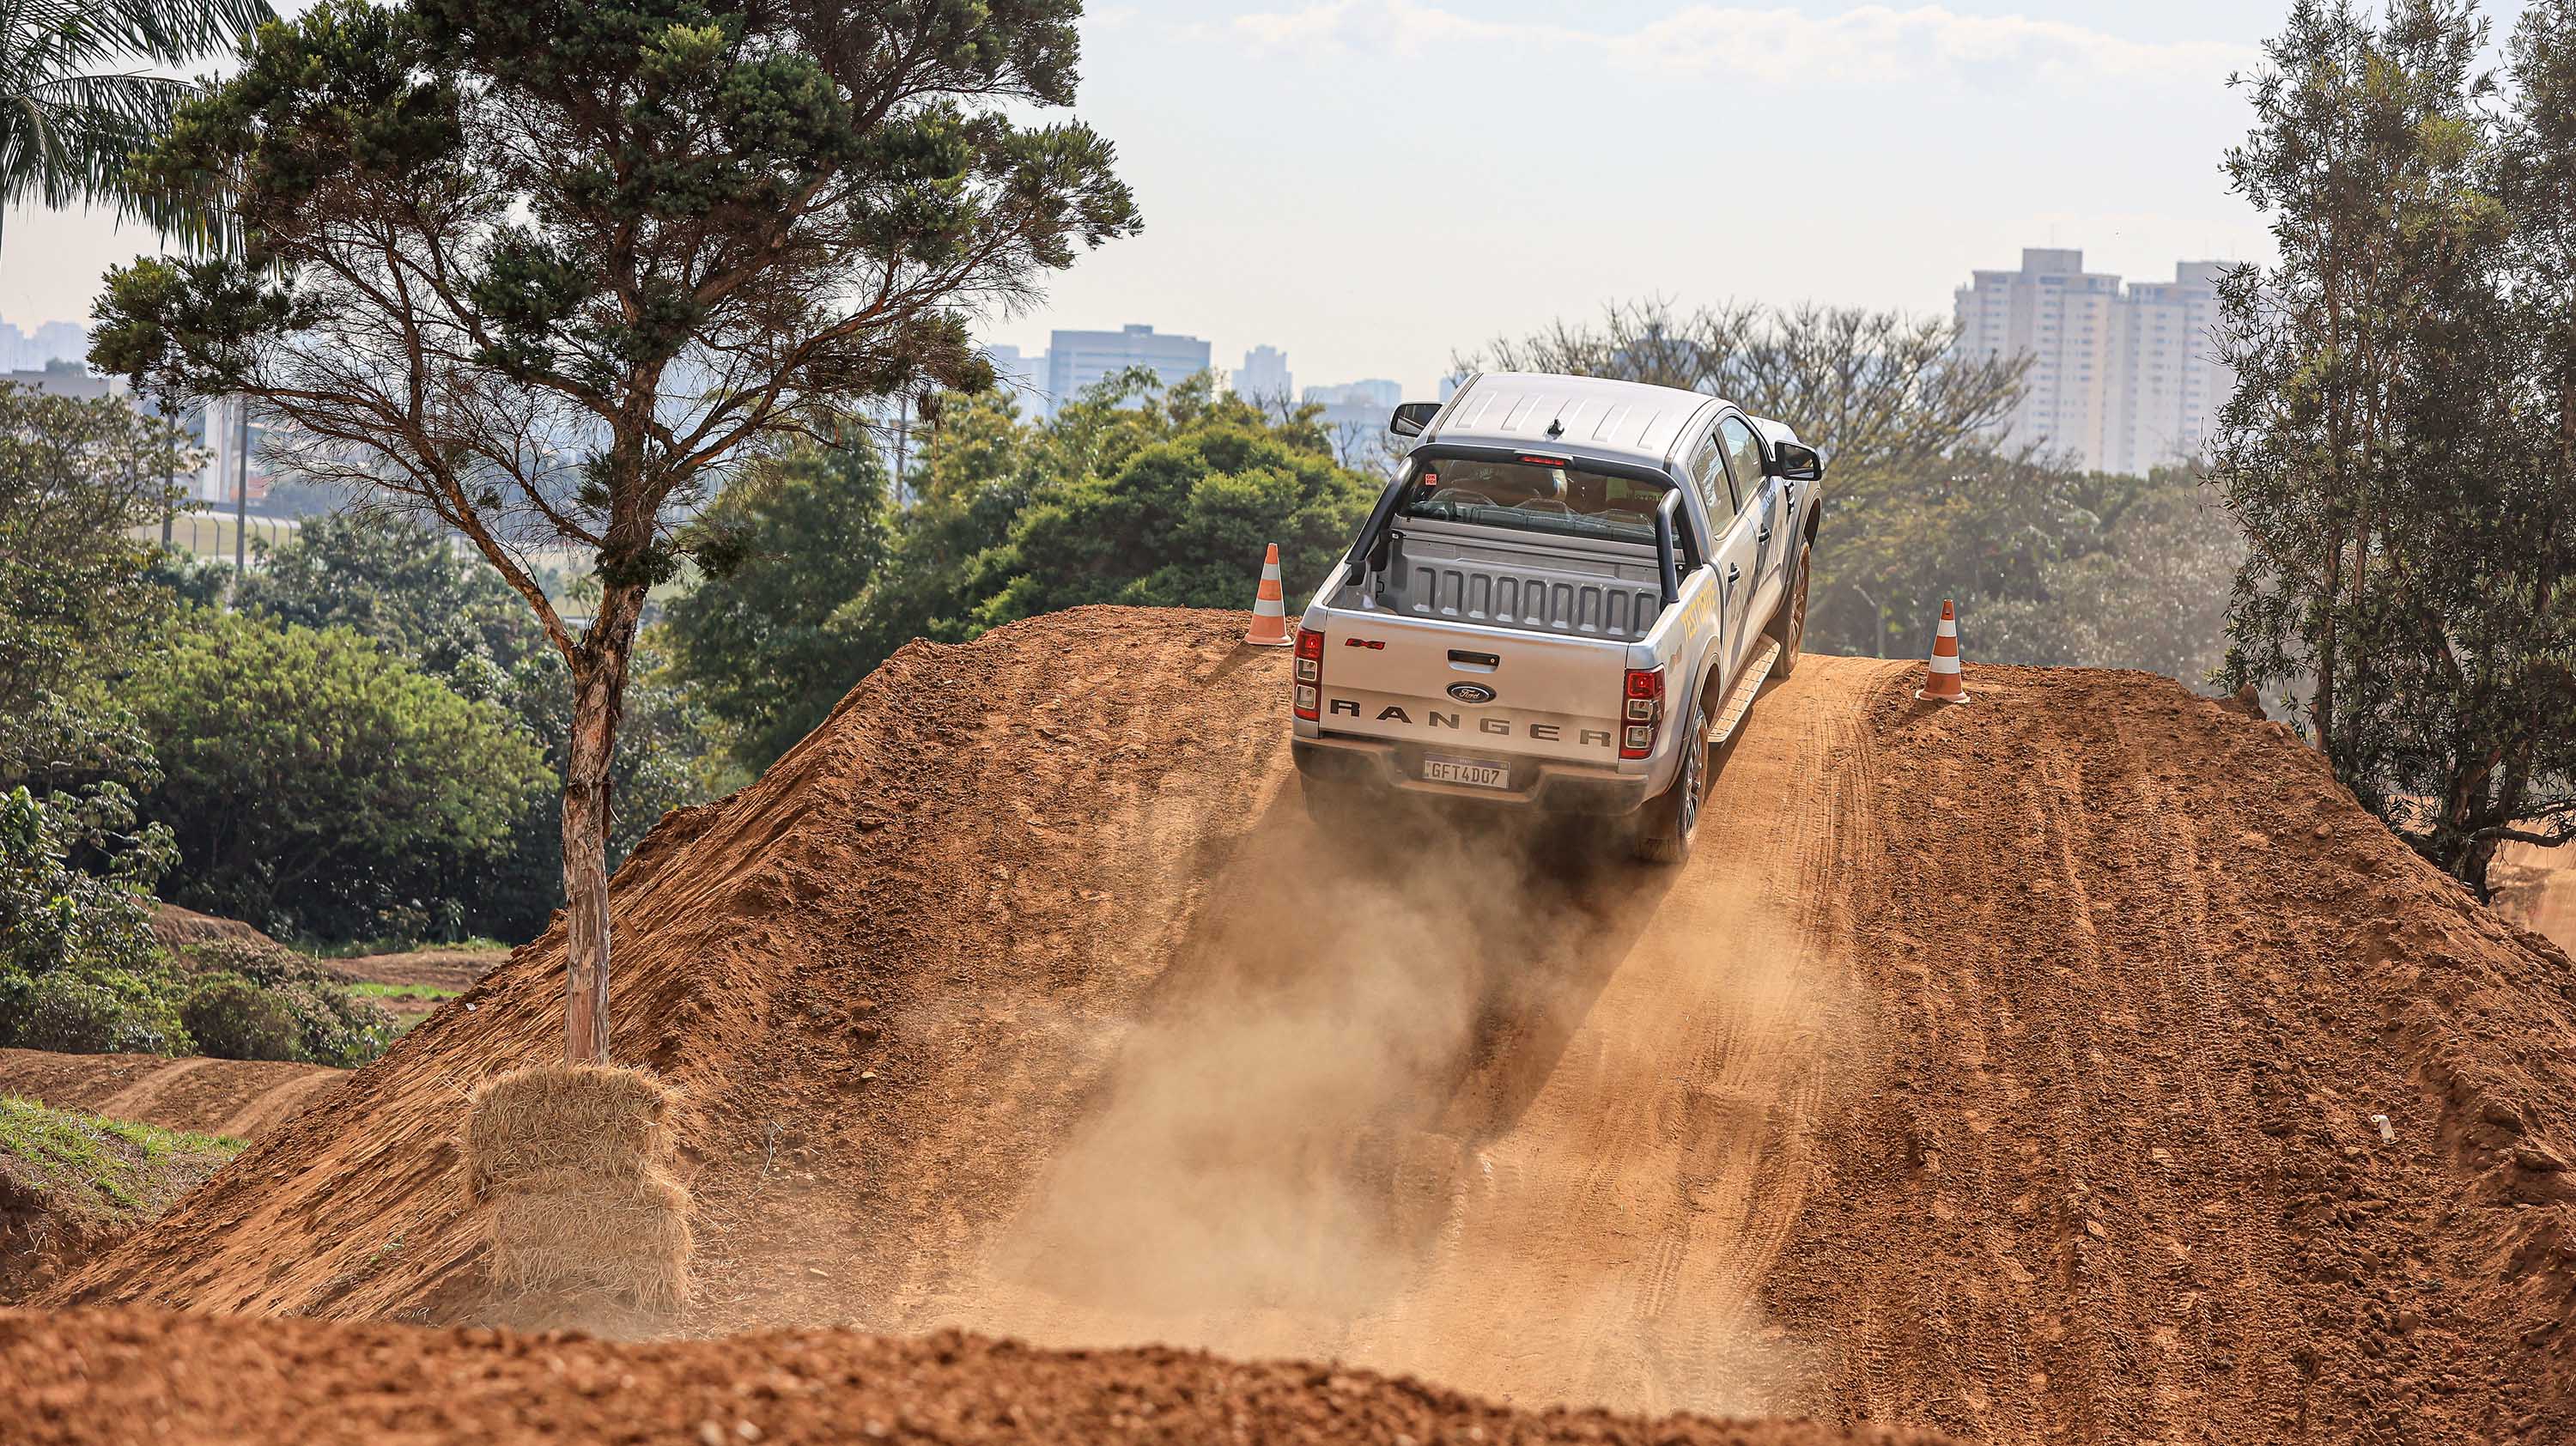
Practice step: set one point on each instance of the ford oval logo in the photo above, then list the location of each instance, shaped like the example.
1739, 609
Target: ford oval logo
1471, 692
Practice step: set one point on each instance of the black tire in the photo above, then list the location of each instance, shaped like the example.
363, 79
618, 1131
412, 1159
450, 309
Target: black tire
1790, 627
1667, 825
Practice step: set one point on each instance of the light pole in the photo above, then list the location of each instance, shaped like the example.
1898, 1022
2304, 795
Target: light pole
241, 491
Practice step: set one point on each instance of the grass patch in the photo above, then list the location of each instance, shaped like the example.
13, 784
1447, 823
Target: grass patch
403, 991
361, 948
123, 1166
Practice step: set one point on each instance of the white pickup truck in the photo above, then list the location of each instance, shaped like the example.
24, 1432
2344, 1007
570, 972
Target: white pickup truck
1566, 601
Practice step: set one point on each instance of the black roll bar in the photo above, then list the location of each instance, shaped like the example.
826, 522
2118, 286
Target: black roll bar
1665, 559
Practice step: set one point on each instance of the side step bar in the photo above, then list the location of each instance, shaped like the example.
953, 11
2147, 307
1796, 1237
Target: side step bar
1728, 718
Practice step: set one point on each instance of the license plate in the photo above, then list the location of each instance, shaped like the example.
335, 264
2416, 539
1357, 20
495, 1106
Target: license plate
1468, 771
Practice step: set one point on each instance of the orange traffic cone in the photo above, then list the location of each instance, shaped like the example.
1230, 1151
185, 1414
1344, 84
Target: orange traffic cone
1943, 685
1269, 613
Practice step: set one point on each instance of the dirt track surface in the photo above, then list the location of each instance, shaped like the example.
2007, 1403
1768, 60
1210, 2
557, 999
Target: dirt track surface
445, 968
2012, 1068
91, 1379
238, 1097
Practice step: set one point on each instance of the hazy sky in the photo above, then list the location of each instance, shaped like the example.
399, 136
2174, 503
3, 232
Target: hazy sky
1369, 184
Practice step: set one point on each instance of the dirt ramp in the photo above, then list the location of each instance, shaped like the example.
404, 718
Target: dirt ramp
2205, 1111
2018, 1069
882, 978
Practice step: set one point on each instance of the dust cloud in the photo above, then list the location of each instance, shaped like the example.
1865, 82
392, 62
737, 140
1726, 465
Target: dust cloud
1321, 1141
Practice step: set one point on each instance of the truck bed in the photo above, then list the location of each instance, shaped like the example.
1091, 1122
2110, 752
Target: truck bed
1572, 587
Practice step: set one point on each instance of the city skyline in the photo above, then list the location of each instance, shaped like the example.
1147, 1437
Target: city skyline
1865, 155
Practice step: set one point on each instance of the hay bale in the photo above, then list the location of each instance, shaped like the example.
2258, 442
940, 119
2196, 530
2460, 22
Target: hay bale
567, 1235
594, 1118
573, 1166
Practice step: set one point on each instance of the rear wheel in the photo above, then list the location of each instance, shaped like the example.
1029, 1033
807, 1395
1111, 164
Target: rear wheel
1669, 823
1791, 626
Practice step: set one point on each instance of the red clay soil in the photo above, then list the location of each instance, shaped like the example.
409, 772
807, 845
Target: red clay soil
445, 968
243, 1098
2143, 985
112, 1377
2013, 1069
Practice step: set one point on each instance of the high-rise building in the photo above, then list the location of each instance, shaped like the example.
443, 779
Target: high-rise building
1376, 393
1080, 359
2174, 383
1021, 375
2119, 381
1264, 376
52, 342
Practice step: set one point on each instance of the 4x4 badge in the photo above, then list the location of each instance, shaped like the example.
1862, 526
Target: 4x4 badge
1471, 692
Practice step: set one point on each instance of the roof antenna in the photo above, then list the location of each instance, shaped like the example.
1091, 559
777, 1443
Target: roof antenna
1556, 427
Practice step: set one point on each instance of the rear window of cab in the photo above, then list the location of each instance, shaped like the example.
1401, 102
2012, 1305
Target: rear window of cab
1532, 494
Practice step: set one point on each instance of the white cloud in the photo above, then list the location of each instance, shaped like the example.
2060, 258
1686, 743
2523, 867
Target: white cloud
1869, 45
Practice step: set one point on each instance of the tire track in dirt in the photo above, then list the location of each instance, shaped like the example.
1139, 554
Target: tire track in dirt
133, 1101
1483, 1103
237, 1097
1631, 1192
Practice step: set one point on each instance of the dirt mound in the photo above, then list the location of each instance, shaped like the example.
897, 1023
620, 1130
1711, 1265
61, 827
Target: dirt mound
882, 977
2014, 1068
177, 928
2203, 1108
242, 1098
117, 1376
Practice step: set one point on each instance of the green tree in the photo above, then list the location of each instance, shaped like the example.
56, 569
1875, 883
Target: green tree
758, 644
73, 108
2140, 581
1181, 523
975, 475
401, 583
550, 270
77, 601
76, 590
398, 581
305, 772
2392, 449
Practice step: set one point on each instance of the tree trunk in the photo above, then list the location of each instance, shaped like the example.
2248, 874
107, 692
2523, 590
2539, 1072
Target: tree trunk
2321, 702
598, 706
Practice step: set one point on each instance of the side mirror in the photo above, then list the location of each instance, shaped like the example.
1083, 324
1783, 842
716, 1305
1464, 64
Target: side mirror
1797, 462
1412, 417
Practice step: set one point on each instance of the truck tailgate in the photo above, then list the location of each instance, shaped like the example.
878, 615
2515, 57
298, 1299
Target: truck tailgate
1477, 691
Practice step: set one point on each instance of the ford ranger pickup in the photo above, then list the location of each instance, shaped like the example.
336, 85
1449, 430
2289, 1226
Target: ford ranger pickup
1566, 602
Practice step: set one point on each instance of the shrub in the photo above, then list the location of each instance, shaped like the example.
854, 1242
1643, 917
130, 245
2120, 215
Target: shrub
232, 1018
109, 1012
315, 777
331, 1026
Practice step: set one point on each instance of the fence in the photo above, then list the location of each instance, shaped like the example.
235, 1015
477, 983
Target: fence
211, 534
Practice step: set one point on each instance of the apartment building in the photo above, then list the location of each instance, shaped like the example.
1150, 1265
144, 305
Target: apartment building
2121, 380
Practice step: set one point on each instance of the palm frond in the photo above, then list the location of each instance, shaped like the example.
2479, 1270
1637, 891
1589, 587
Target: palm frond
83, 33
71, 140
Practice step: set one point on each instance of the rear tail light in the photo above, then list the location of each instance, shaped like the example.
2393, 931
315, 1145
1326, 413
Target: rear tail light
1641, 709
1310, 674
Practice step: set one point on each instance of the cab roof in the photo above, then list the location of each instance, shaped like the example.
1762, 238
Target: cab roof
1597, 415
